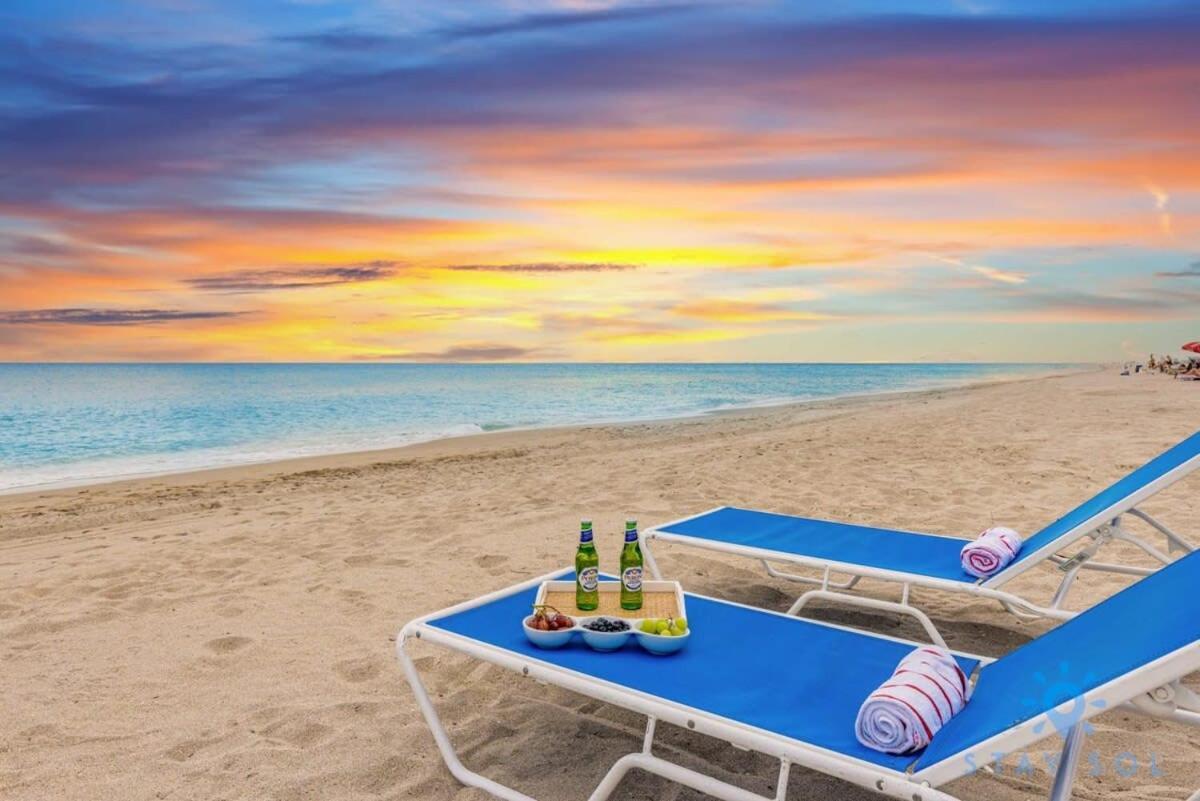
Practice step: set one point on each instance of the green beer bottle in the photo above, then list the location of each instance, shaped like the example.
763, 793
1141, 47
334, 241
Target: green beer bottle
587, 570
631, 568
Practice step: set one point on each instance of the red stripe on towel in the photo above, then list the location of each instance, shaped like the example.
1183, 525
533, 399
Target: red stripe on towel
924, 725
932, 703
983, 561
962, 677
936, 683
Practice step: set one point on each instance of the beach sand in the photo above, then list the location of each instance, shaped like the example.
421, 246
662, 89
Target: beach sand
229, 634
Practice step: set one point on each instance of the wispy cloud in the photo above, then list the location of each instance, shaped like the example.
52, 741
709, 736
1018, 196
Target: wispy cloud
533, 23
107, 316
1067, 305
1161, 199
1002, 276
345, 39
294, 277
990, 273
1191, 271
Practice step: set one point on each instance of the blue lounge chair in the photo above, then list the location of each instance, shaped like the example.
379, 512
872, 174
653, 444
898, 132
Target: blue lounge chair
790, 687
913, 559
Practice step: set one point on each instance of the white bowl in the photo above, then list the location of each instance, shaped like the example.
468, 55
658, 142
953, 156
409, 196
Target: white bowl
663, 644
546, 639
604, 640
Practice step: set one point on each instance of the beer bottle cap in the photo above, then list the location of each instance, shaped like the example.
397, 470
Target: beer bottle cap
630, 523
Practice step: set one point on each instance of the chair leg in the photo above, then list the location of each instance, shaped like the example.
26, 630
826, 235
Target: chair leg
645, 760
1060, 595
775, 572
1120, 533
1112, 530
449, 756
1174, 541
902, 608
675, 773
1064, 777
642, 760
1017, 612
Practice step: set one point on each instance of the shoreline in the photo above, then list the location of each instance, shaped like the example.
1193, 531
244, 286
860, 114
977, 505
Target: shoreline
361, 456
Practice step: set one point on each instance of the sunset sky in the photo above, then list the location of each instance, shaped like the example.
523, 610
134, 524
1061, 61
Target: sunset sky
536, 181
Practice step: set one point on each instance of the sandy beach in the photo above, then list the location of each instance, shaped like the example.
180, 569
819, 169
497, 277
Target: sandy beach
229, 634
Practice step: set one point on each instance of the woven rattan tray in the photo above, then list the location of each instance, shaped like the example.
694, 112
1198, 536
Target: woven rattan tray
660, 599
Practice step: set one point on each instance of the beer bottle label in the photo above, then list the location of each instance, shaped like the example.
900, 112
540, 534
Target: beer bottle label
589, 579
585, 535
631, 577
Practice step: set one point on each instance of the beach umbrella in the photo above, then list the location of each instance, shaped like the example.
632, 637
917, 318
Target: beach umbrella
1194, 347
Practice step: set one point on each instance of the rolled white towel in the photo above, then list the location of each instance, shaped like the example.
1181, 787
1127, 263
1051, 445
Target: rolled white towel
922, 694
991, 551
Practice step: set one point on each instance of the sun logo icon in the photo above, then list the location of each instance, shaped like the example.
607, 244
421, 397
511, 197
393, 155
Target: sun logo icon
1063, 715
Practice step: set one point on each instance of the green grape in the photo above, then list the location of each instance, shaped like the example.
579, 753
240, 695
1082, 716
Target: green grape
681, 623
649, 626
661, 628
674, 632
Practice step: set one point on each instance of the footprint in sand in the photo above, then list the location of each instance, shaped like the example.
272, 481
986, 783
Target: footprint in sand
298, 733
357, 670
227, 645
42, 733
491, 560
357, 599
187, 749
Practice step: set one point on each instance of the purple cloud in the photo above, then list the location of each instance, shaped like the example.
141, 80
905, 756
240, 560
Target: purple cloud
473, 352
294, 278
163, 123
559, 20
1191, 271
106, 316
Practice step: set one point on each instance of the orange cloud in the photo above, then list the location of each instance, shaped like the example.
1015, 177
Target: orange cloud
735, 311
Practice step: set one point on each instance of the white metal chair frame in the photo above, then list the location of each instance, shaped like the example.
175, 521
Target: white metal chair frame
1152, 690
1100, 530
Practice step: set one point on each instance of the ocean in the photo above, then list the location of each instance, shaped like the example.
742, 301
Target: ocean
67, 424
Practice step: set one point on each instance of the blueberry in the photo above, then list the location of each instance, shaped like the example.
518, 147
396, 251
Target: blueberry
608, 625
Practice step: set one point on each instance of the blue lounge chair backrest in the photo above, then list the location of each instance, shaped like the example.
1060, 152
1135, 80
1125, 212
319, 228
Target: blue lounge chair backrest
1113, 500
1148, 620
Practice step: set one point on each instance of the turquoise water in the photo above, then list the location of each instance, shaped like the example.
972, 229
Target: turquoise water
69, 424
